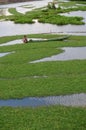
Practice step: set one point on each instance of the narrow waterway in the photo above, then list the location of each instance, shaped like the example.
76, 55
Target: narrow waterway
67, 100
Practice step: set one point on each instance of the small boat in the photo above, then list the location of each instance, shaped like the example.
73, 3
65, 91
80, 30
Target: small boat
51, 39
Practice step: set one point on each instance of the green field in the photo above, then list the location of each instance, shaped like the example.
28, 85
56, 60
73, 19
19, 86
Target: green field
43, 118
62, 78
19, 78
53, 78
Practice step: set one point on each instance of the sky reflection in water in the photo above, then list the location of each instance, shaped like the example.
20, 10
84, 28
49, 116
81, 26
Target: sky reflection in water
67, 100
70, 53
8, 28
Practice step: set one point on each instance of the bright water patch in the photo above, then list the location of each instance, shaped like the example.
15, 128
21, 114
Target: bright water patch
36, 3
68, 100
76, 13
20, 41
4, 12
9, 28
70, 53
5, 53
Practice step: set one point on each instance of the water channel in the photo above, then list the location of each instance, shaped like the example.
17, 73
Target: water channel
67, 100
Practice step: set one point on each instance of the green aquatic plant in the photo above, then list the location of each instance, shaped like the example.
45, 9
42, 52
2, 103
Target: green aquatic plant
47, 15
17, 74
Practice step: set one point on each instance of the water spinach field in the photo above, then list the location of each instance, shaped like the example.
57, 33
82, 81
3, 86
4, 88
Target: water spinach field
19, 78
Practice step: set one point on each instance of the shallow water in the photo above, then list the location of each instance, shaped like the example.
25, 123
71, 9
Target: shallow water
36, 3
5, 53
68, 100
76, 13
12, 42
4, 12
8, 28
70, 53
23, 7
19, 41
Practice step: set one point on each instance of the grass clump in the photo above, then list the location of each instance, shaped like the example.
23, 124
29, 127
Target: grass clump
61, 20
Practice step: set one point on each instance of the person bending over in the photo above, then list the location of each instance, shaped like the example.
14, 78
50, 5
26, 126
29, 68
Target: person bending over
25, 40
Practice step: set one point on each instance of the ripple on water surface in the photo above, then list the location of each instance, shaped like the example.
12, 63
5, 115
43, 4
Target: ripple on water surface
68, 100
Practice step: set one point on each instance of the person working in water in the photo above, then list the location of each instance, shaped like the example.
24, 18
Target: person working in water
25, 40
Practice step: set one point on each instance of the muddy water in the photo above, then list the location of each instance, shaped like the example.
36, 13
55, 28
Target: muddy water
68, 100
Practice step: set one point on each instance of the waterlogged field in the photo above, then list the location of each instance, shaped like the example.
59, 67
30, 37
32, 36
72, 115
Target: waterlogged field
49, 15
19, 78
18, 75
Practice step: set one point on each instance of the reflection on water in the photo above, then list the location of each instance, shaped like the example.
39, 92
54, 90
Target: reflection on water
36, 3
23, 7
8, 28
76, 13
32, 5
68, 100
70, 53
